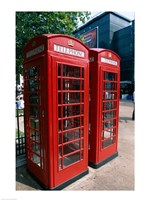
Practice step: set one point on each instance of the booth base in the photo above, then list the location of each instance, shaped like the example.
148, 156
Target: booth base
63, 185
100, 164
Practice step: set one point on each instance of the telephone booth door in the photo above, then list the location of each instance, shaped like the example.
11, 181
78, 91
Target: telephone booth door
56, 70
70, 118
104, 108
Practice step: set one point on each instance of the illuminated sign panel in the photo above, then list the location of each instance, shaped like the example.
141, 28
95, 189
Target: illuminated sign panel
35, 51
108, 61
69, 51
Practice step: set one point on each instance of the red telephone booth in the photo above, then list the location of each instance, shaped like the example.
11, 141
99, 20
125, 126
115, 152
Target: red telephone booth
56, 70
104, 106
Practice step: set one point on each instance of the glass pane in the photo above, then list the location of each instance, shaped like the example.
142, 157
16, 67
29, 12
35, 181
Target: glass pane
109, 95
59, 69
59, 84
72, 110
108, 142
36, 148
33, 72
33, 99
59, 98
60, 138
60, 151
108, 115
59, 126
35, 135
109, 105
107, 133
72, 97
82, 72
36, 159
109, 86
110, 76
81, 154
60, 164
69, 84
71, 135
82, 143
34, 123
109, 124
71, 159
71, 71
68, 148
34, 111
59, 112
71, 123
33, 85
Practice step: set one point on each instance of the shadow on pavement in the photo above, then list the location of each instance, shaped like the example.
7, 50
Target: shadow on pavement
22, 176
126, 119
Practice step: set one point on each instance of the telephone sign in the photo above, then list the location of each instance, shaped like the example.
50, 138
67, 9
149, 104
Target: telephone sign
108, 61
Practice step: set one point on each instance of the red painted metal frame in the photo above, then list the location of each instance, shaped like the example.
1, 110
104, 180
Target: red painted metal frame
48, 52
100, 60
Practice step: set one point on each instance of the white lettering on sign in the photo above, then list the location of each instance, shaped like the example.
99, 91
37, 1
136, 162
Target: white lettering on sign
69, 51
35, 51
109, 61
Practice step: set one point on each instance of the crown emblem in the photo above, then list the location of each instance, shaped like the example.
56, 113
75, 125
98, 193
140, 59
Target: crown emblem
109, 55
70, 43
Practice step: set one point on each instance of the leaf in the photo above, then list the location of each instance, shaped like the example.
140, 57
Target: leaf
30, 24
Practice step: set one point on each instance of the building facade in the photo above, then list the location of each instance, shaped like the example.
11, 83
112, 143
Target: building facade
111, 30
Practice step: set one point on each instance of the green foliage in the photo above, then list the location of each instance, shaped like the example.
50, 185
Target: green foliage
20, 133
29, 24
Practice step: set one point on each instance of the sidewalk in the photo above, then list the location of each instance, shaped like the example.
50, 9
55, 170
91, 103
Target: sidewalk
118, 174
